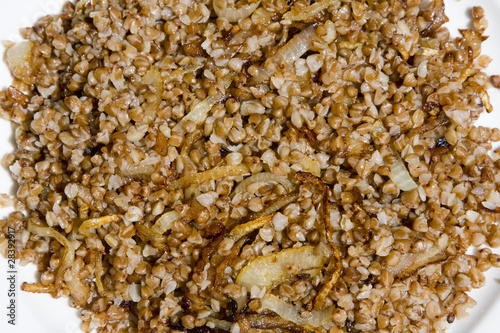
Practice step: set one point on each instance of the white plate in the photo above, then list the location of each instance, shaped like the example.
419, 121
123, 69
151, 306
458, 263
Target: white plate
42, 314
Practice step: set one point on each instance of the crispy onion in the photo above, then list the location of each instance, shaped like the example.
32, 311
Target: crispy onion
246, 228
300, 13
232, 14
203, 177
293, 313
153, 79
270, 270
164, 222
97, 222
264, 177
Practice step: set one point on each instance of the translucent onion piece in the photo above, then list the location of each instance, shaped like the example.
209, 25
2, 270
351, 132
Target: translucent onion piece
134, 292
152, 78
200, 111
203, 177
139, 170
291, 51
246, 228
310, 165
293, 313
97, 222
412, 262
299, 13
233, 14
150, 237
164, 222
399, 174
272, 269
264, 177
401, 177
69, 254
78, 290
485, 98
18, 58
221, 324
178, 74
295, 48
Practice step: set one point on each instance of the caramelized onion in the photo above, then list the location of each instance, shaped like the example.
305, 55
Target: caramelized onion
270, 270
246, 228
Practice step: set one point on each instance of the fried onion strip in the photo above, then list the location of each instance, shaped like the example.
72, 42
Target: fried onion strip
148, 236
97, 222
320, 300
77, 289
276, 205
235, 251
37, 288
246, 228
98, 272
205, 176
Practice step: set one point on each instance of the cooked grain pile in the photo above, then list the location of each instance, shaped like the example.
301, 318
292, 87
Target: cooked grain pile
279, 166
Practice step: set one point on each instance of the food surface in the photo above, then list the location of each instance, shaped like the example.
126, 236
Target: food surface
258, 166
